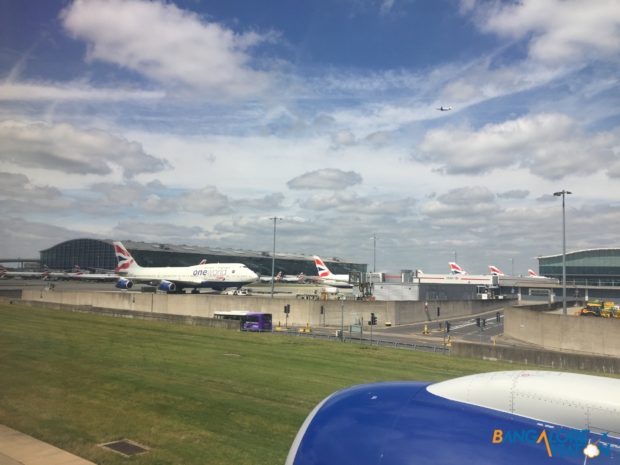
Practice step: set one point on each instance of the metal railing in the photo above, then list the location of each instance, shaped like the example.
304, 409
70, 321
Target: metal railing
425, 347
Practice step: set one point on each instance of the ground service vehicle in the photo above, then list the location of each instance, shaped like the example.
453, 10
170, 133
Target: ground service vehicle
248, 321
591, 309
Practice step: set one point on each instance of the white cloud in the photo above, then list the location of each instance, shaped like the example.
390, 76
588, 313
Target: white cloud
19, 195
558, 31
463, 206
158, 232
24, 238
169, 45
207, 200
551, 146
329, 179
514, 194
354, 204
267, 202
72, 91
68, 149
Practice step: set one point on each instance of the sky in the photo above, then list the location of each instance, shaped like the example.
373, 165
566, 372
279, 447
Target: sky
196, 121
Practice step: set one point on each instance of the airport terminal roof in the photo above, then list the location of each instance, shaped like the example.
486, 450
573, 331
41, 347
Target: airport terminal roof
196, 249
614, 250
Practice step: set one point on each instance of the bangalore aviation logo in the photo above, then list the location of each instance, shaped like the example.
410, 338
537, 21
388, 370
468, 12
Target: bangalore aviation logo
556, 442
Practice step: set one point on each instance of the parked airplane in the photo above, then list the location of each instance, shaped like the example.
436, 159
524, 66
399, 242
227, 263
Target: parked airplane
285, 278
4, 273
267, 279
442, 108
496, 271
533, 274
79, 274
218, 276
510, 418
455, 269
327, 277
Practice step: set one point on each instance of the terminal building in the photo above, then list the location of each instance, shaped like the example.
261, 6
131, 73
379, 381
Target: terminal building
599, 267
97, 254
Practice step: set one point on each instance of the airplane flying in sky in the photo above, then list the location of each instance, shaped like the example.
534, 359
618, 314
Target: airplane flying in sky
327, 277
495, 271
442, 108
508, 418
455, 269
218, 276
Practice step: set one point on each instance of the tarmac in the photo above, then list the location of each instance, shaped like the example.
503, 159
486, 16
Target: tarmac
20, 449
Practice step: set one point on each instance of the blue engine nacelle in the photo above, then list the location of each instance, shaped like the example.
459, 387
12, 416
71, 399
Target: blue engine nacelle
124, 283
167, 286
454, 422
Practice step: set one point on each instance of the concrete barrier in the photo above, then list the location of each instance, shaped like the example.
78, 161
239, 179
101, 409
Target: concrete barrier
537, 357
598, 336
134, 314
311, 312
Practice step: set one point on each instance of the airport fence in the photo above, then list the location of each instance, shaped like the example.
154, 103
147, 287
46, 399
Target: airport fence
425, 347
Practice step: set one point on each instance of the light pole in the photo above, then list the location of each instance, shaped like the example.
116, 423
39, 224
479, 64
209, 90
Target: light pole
374, 253
563, 193
273, 256
455, 258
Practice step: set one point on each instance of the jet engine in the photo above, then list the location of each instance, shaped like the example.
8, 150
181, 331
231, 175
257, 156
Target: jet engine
167, 286
124, 283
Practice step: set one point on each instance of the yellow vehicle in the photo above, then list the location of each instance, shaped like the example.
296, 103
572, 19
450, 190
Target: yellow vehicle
607, 311
591, 309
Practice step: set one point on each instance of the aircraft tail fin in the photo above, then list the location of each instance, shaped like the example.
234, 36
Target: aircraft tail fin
124, 258
532, 274
495, 270
2, 271
321, 268
455, 269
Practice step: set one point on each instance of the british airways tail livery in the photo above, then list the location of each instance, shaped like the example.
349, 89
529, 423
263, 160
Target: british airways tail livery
507, 418
218, 276
495, 271
533, 274
455, 269
327, 277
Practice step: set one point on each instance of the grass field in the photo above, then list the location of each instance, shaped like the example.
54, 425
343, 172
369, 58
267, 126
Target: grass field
195, 395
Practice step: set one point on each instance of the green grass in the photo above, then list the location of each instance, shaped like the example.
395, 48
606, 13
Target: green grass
194, 394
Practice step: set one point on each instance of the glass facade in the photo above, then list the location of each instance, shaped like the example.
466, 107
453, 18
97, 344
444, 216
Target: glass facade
596, 267
85, 253
98, 254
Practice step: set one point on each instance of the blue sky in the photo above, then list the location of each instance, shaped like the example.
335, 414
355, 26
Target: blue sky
195, 121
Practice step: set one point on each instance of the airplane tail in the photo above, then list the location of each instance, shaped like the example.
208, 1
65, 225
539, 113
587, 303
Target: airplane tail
301, 277
532, 274
278, 277
124, 258
203, 261
495, 270
321, 268
455, 269
2, 271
